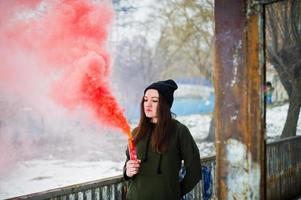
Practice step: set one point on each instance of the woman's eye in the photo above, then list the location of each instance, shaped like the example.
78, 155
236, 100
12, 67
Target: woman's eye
145, 100
155, 101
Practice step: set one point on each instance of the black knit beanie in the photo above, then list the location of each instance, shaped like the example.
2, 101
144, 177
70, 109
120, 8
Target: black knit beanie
165, 88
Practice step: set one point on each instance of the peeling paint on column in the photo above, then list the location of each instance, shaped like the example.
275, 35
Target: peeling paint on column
243, 175
234, 117
236, 56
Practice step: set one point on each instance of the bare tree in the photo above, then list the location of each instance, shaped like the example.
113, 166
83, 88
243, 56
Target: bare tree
133, 69
283, 20
184, 31
187, 38
187, 34
136, 59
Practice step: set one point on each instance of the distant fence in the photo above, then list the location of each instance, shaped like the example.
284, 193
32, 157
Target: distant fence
283, 173
114, 188
284, 168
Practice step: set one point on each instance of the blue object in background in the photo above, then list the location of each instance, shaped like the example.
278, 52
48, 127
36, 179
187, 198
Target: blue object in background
269, 98
183, 107
193, 105
207, 182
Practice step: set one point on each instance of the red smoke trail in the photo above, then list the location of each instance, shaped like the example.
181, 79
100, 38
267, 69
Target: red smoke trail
67, 41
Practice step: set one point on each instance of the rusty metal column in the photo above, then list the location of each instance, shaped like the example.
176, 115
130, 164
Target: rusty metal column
238, 77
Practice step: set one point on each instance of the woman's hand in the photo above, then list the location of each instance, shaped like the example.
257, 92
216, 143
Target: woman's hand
132, 167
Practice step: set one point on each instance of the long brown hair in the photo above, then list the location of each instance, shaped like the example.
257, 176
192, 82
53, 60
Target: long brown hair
163, 128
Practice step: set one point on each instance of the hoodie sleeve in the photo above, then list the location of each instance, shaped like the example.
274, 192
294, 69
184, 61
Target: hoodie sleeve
192, 162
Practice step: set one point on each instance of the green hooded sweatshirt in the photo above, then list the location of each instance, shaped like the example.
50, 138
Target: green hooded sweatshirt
158, 176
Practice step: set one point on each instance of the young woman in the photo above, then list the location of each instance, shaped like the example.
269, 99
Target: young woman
162, 144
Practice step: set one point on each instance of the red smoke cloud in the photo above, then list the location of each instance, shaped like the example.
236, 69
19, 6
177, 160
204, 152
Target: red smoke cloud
65, 44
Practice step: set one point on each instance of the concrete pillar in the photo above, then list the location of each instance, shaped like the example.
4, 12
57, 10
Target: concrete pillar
239, 108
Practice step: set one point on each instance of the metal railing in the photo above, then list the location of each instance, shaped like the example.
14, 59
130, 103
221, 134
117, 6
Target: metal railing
283, 174
114, 188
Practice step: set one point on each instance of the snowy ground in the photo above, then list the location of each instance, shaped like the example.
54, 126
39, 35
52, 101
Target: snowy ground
50, 172
275, 119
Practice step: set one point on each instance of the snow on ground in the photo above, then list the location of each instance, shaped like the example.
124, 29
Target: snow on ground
275, 119
39, 175
47, 173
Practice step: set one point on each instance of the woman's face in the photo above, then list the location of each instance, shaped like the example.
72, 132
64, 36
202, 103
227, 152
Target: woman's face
151, 102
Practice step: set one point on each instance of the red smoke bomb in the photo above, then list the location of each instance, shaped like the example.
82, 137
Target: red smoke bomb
131, 142
132, 149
